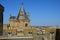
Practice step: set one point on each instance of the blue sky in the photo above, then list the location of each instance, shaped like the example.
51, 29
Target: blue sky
42, 12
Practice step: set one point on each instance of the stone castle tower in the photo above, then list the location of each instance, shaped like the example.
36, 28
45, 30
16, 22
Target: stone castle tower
20, 22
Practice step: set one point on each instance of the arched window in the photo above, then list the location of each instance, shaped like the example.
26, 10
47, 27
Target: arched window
26, 25
30, 32
9, 34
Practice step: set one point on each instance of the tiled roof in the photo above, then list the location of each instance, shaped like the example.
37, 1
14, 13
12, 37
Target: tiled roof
13, 17
23, 12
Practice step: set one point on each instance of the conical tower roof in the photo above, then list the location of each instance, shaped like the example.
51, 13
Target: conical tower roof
22, 11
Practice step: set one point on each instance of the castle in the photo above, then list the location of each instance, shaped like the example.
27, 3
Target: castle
20, 26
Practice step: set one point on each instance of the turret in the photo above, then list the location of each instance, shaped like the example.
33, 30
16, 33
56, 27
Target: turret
22, 13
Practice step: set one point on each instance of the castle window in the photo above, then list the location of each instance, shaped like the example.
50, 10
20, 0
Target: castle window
26, 25
9, 34
30, 32
20, 31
